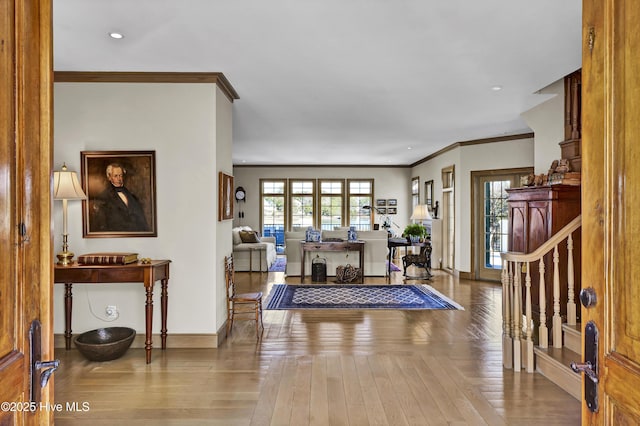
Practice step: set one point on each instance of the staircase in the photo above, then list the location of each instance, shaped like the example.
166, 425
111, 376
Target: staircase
518, 348
553, 363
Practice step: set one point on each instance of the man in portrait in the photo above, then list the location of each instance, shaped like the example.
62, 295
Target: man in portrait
116, 209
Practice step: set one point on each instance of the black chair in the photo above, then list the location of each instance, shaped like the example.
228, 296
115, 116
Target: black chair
422, 260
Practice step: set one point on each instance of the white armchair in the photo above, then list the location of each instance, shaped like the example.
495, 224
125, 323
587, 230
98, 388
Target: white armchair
256, 255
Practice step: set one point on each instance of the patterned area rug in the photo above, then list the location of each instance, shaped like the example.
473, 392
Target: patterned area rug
279, 265
349, 296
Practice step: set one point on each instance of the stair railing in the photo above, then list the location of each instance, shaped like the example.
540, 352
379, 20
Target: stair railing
517, 335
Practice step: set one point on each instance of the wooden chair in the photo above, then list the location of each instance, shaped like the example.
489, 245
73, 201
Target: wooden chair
421, 260
241, 303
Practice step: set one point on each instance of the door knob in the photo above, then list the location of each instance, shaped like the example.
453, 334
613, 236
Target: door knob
48, 367
588, 297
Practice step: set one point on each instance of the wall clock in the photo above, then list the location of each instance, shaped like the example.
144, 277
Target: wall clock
240, 194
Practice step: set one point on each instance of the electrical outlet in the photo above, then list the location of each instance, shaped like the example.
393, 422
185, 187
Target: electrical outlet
111, 311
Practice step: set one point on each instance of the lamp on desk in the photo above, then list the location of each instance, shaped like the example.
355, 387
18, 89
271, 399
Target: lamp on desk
421, 214
66, 187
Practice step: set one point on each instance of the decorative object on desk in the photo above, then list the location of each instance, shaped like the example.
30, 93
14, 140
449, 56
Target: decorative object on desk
109, 258
386, 220
352, 234
66, 187
105, 344
121, 194
313, 235
414, 231
225, 205
347, 273
350, 296
145, 261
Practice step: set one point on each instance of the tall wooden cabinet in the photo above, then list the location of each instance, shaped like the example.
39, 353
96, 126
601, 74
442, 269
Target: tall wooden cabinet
537, 213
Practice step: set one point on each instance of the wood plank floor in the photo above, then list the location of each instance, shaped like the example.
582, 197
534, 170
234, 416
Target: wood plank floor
374, 367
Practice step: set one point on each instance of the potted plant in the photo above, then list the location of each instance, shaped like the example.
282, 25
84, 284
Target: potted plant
414, 232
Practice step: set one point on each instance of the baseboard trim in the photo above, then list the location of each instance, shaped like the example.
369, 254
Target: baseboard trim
465, 275
191, 341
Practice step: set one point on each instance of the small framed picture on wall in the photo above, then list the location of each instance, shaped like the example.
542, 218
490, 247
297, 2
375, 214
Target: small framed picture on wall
393, 202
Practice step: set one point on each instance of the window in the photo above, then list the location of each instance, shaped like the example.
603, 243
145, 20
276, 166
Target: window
360, 194
331, 204
273, 207
415, 192
301, 200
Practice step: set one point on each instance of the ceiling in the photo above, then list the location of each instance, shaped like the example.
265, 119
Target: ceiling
354, 82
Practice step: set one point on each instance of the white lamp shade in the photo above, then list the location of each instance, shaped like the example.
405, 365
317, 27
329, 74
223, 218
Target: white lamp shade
66, 186
421, 212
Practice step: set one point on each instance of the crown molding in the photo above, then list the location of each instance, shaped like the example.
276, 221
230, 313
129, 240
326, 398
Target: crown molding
217, 78
472, 142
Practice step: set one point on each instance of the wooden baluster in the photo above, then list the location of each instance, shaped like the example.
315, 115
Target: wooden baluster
528, 327
543, 331
557, 319
571, 304
507, 343
517, 318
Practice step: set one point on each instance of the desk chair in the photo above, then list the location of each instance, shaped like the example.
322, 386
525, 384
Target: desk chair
241, 303
421, 260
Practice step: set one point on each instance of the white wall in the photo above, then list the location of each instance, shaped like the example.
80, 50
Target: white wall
192, 142
390, 182
547, 122
465, 159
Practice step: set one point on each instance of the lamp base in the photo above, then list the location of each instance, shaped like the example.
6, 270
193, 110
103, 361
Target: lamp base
65, 258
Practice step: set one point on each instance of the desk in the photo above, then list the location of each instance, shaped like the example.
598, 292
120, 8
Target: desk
358, 246
392, 243
147, 274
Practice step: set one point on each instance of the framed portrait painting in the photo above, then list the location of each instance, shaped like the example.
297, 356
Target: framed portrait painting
225, 202
121, 194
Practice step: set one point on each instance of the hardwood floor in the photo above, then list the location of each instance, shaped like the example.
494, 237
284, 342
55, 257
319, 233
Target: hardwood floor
373, 367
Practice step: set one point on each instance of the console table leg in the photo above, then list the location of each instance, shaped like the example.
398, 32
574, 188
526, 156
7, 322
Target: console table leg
149, 321
68, 306
164, 299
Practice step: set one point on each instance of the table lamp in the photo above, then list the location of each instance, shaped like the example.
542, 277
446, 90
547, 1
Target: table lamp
66, 187
421, 213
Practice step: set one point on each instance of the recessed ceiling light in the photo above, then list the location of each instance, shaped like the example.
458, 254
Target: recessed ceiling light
496, 88
409, 147
117, 36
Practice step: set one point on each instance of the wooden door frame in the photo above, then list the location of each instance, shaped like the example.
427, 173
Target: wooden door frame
475, 175
27, 46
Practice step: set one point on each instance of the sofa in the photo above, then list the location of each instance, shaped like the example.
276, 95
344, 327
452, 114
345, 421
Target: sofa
247, 253
375, 252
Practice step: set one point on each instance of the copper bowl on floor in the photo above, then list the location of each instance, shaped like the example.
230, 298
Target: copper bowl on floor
105, 344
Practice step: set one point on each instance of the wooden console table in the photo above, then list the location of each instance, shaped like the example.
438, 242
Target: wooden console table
358, 246
147, 274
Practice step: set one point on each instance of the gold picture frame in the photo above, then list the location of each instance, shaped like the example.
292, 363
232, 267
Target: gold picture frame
105, 175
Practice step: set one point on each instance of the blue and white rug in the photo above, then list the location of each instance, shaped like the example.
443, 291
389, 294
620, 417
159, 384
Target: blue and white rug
279, 265
348, 296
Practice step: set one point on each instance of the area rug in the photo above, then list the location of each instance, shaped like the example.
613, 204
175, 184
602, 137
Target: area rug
348, 296
393, 267
279, 265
